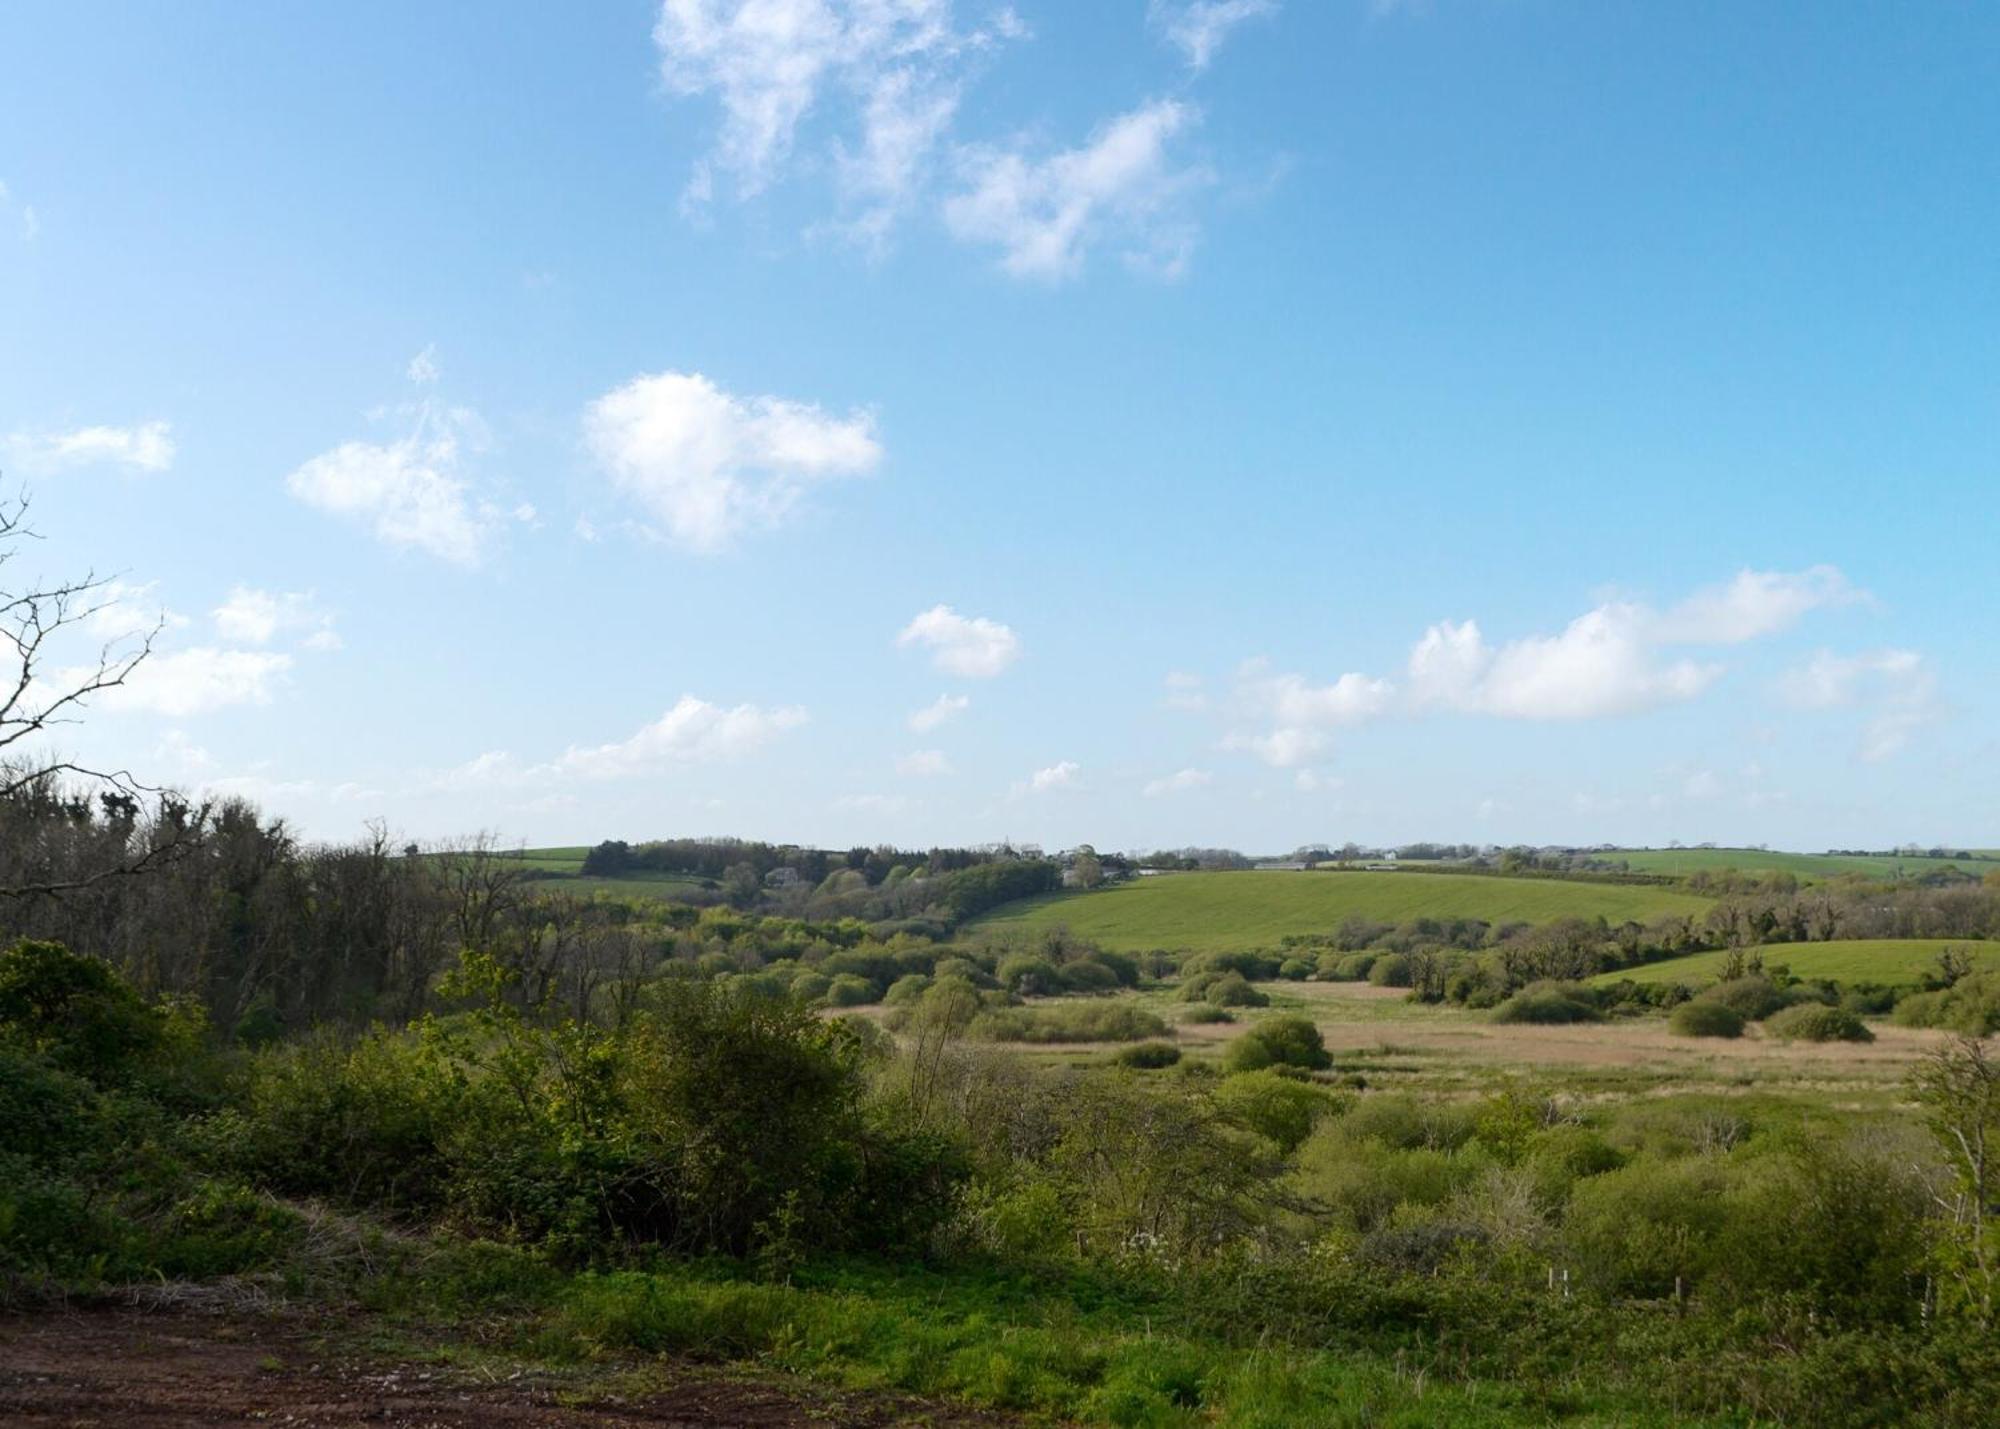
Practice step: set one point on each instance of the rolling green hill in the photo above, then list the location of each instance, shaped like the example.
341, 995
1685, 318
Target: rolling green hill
1213, 911
1683, 861
1886, 960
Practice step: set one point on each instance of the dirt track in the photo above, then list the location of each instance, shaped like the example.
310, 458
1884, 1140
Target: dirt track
140, 1369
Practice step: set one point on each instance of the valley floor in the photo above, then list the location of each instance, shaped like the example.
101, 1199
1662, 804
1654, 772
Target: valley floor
177, 1369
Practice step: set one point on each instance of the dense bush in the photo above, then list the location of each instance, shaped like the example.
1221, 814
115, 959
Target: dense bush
1148, 1056
1549, 1003
1701, 1018
1391, 970
1207, 1012
1278, 1042
1068, 1022
1752, 998
76, 1010
1971, 1005
1815, 1022
1282, 1108
1227, 989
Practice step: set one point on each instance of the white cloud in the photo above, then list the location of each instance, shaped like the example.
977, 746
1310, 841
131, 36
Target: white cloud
938, 711
423, 368
198, 680
1898, 689
692, 732
257, 617
924, 764
1754, 604
1056, 776
147, 447
1121, 186
709, 465
1603, 663
1197, 28
411, 492
121, 612
26, 224
886, 76
1179, 782
974, 646
1301, 716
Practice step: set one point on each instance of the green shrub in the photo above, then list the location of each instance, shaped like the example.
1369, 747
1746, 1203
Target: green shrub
1816, 1022
1228, 989
1067, 1022
1207, 1012
1705, 1019
907, 988
1028, 975
76, 1010
1281, 1108
1295, 969
1353, 967
1148, 1056
1087, 975
1752, 998
1549, 1004
1390, 970
1278, 1042
849, 990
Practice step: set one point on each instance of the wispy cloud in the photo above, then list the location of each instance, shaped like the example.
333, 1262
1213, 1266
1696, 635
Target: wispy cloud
1897, 690
1197, 28
147, 447
1123, 186
938, 712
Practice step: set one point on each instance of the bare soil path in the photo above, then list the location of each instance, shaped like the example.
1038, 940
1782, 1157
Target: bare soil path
151, 1369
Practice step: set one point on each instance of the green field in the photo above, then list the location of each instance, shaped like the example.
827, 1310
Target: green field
1683, 861
1216, 911
1885, 960
563, 868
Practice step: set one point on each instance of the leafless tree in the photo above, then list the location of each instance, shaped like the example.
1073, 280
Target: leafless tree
40, 623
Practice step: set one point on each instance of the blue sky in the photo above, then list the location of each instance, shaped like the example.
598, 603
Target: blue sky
1232, 422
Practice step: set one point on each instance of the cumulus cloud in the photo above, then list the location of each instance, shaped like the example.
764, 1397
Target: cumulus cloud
972, 646
708, 465
924, 764
937, 712
1896, 688
1198, 28
1122, 186
1057, 776
147, 447
1301, 716
412, 492
1603, 663
257, 617
692, 732
884, 76
1619, 658
1179, 782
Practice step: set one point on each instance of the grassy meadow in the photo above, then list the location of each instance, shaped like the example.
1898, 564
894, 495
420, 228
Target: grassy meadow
1680, 862
1855, 960
1217, 912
